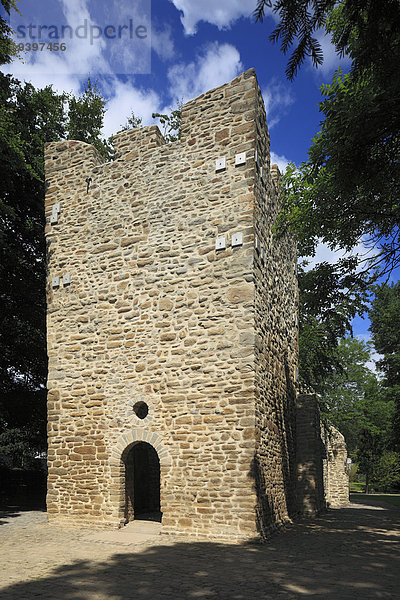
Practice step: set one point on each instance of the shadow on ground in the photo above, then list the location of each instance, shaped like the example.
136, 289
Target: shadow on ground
349, 553
8, 514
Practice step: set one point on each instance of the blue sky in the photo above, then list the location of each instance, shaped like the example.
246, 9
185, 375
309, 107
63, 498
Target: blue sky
190, 46
193, 47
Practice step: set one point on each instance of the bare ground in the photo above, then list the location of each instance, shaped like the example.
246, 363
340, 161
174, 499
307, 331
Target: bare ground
347, 554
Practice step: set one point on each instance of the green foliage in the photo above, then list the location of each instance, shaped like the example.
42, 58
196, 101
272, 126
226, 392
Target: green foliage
386, 477
15, 447
366, 31
355, 158
348, 189
330, 296
22, 425
28, 118
374, 437
299, 21
357, 486
171, 124
132, 122
361, 29
354, 402
85, 118
385, 329
353, 399
8, 48
353, 473
345, 389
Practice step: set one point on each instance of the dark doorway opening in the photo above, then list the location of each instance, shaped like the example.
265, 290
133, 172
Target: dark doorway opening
142, 483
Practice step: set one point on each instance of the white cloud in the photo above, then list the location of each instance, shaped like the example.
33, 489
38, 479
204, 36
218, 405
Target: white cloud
222, 13
218, 64
277, 98
64, 69
127, 53
371, 364
162, 43
325, 253
331, 58
43, 74
75, 11
375, 357
91, 60
68, 70
97, 41
280, 160
125, 98
331, 255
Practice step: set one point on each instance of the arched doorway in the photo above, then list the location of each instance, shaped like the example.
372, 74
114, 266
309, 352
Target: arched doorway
142, 483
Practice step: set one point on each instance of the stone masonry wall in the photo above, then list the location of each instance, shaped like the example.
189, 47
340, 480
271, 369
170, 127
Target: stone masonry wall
336, 479
150, 311
310, 454
321, 455
276, 344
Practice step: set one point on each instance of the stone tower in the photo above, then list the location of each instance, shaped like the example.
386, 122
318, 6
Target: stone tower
172, 327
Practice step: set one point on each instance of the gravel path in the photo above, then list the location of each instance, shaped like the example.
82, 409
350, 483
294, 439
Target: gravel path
347, 554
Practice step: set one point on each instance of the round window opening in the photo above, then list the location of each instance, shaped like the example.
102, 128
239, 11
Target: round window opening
141, 410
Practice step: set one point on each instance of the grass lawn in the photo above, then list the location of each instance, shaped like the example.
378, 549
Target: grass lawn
393, 499
357, 486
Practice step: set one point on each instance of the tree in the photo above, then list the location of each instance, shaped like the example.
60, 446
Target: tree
330, 296
353, 400
132, 122
171, 123
348, 388
368, 25
374, 439
348, 189
387, 472
28, 118
385, 329
85, 118
8, 48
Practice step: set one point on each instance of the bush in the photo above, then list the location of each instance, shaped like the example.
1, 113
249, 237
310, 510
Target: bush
353, 472
387, 472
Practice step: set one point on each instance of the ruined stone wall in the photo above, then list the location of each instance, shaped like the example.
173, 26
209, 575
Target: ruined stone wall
150, 311
276, 344
310, 456
321, 456
336, 479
